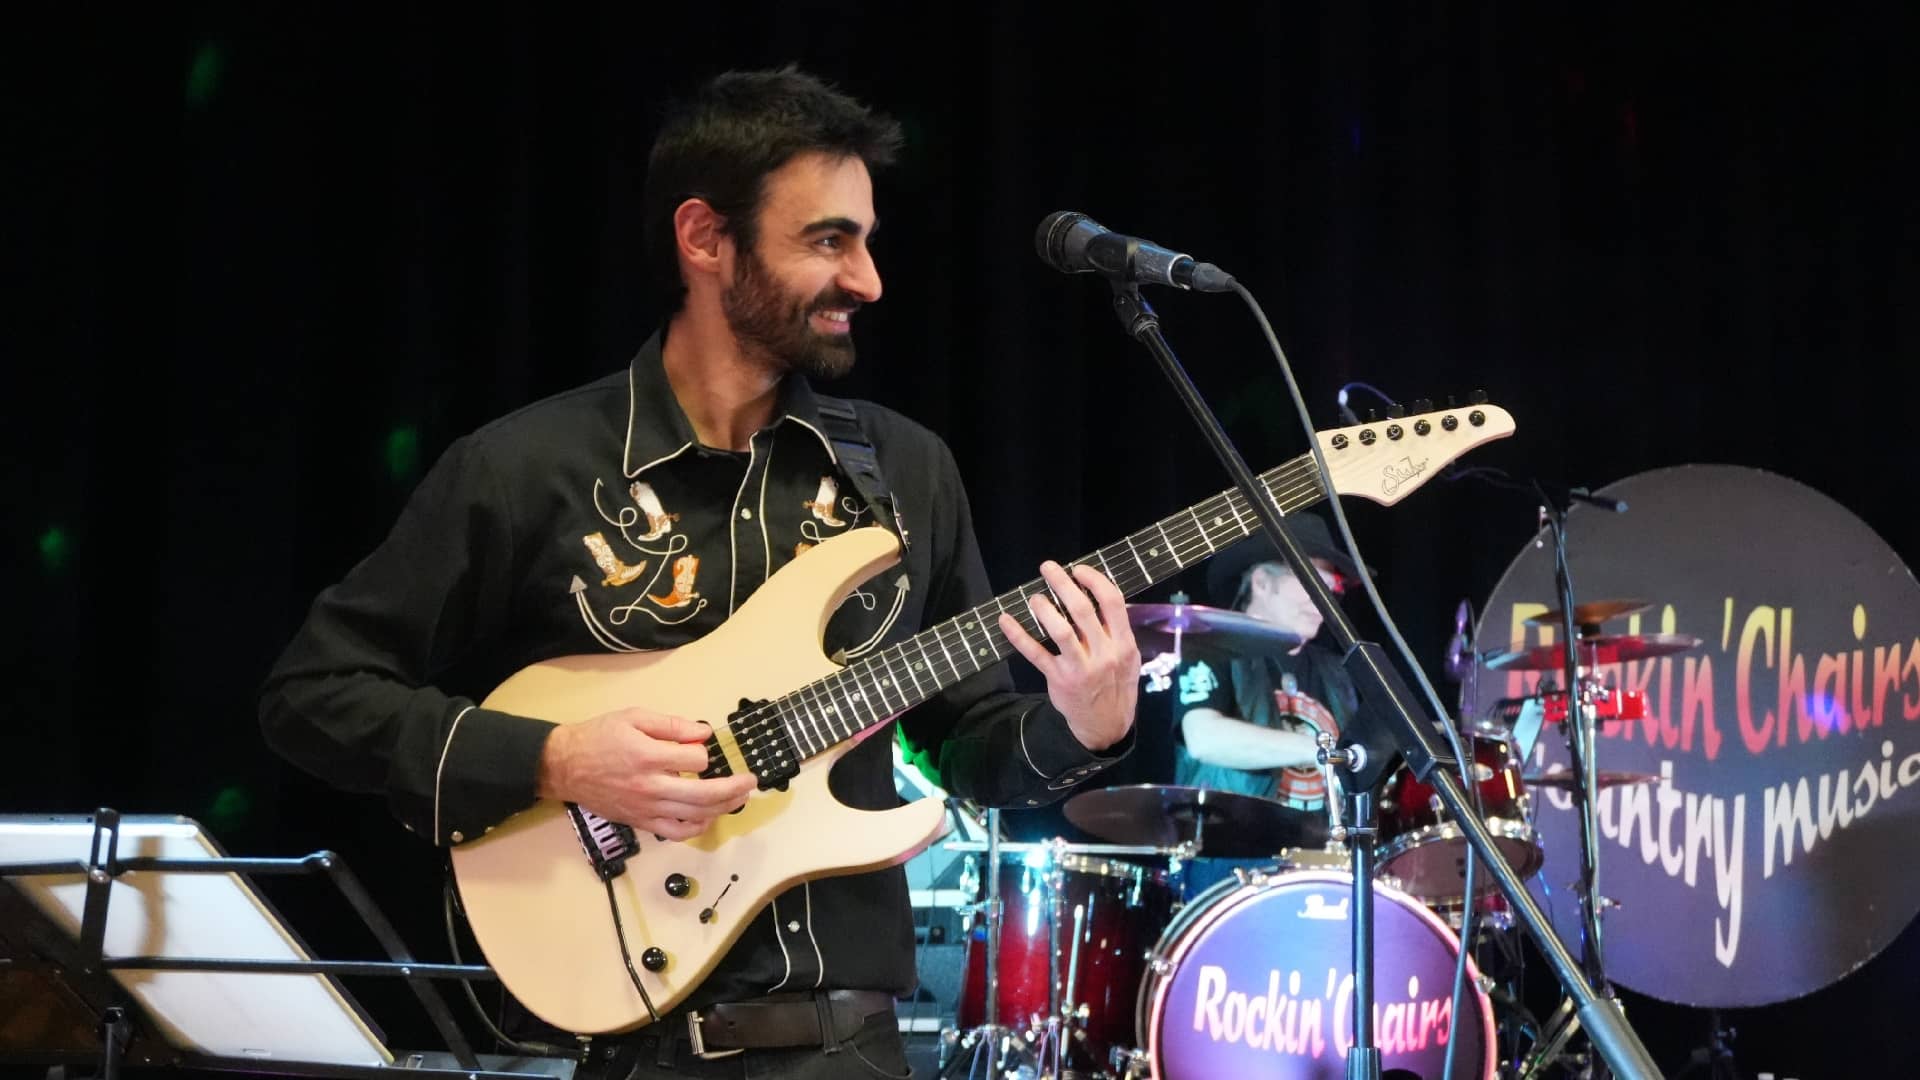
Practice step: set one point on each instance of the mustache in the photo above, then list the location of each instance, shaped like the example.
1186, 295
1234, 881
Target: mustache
834, 297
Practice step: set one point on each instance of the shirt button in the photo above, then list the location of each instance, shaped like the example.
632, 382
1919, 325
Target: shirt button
746, 513
455, 836
1033, 802
793, 927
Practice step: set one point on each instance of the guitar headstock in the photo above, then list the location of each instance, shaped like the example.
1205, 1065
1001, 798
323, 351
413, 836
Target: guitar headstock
1385, 460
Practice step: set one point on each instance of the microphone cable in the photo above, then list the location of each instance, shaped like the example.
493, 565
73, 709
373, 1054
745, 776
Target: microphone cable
1393, 632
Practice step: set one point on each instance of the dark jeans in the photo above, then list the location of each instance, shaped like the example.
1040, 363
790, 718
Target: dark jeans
876, 1051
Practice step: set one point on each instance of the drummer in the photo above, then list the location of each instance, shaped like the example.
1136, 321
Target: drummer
1247, 723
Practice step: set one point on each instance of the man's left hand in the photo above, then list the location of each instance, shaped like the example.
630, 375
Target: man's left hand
1094, 680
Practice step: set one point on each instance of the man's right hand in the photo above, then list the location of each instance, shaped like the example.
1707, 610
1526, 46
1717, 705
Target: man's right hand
628, 766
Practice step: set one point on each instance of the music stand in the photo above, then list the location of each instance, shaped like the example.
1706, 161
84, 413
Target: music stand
144, 927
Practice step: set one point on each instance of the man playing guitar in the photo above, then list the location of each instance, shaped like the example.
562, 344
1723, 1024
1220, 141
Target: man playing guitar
638, 513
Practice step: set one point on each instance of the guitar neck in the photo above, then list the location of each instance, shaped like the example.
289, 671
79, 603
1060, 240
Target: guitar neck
831, 710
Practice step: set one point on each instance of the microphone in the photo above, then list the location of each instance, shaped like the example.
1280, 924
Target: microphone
1076, 244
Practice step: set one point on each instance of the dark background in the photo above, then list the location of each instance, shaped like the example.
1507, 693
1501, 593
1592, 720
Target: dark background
262, 265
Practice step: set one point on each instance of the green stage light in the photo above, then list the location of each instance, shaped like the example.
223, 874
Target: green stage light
54, 548
230, 809
403, 453
203, 75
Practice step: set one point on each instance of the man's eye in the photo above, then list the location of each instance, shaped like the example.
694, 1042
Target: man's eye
828, 241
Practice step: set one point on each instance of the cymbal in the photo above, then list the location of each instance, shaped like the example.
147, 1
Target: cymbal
1225, 631
1594, 650
1593, 613
1567, 781
1229, 825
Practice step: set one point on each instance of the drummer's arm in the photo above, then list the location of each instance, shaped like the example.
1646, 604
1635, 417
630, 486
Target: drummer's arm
1219, 739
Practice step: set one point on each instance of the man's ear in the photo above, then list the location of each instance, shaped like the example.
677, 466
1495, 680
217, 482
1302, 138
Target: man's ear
699, 232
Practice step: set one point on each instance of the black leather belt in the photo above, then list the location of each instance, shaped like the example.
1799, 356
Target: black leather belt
821, 1018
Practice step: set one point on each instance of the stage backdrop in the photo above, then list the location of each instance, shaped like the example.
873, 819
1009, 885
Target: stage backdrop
264, 264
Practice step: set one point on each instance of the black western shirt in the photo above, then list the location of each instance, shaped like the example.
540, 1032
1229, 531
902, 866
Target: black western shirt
594, 521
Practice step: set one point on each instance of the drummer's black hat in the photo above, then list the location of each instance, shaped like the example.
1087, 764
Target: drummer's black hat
1225, 570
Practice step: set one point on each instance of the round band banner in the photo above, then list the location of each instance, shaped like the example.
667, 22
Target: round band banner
1775, 850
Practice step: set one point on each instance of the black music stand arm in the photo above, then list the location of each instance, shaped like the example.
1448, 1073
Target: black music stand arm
1385, 725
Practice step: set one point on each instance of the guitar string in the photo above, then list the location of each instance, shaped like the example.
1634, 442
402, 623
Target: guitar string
1186, 528
1185, 535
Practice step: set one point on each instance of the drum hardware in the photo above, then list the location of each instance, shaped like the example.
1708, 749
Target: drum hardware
1202, 821
1054, 961
1162, 628
1577, 656
1590, 615
1609, 704
1592, 651
1421, 844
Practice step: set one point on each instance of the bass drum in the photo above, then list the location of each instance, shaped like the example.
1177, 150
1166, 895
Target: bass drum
1255, 979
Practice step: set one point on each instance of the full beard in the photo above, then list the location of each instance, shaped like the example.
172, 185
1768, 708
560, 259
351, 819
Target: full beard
775, 324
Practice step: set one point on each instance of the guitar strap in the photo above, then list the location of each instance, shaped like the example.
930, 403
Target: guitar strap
854, 451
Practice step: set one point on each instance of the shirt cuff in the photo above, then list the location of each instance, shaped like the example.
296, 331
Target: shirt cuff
489, 769
1055, 753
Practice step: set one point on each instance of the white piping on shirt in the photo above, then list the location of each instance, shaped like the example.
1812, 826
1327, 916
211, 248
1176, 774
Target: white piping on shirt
819, 959
766, 542
824, 441
733, 522
1024, 752
442, 767
784, 955
626, 448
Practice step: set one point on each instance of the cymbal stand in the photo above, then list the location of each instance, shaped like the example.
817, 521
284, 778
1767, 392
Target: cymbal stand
1582, 721
990, 1043
1050, 1040
1717, 1056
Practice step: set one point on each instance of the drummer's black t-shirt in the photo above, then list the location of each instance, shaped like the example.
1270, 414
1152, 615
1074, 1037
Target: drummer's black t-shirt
1245, 688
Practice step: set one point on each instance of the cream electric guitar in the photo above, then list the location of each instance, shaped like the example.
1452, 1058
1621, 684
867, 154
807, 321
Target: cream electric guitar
597, 929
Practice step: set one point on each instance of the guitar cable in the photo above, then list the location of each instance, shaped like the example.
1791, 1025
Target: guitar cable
620, 934
532, 1049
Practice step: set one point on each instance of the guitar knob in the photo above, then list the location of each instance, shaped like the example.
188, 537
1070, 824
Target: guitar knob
678, 885
654, 959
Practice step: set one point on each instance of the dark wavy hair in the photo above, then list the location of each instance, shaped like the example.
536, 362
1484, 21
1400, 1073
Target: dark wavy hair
720, 145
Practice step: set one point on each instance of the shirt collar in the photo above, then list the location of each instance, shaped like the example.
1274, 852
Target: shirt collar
658, 429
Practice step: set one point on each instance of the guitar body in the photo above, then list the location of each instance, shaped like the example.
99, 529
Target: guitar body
535, 902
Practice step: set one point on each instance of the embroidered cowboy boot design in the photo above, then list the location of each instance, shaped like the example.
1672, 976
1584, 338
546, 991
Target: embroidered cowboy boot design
617, 573
659, 522
801, 548
684, 569
822, 504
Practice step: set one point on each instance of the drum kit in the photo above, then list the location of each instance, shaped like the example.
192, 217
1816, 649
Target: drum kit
1117, 960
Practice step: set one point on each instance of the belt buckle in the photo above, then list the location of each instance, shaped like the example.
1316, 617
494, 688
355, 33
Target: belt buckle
699, 1043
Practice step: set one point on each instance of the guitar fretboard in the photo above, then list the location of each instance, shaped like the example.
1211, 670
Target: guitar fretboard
879, 687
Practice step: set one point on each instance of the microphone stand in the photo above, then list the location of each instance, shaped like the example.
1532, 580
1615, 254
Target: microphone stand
1384, 729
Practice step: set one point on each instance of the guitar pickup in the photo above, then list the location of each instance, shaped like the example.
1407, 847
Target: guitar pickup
766, 744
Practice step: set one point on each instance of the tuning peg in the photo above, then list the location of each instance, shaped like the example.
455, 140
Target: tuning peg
1372, 416
1422, 405
1396, 410
1478, 397
1451, 402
